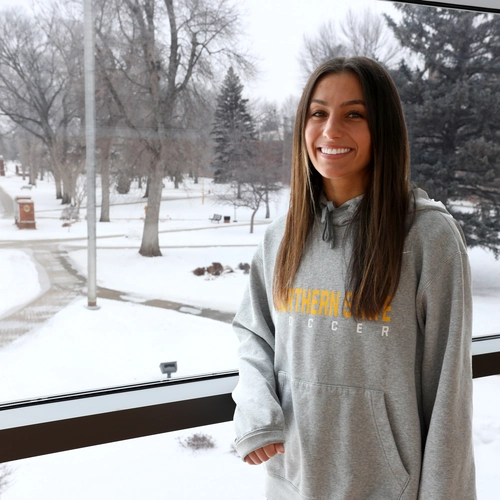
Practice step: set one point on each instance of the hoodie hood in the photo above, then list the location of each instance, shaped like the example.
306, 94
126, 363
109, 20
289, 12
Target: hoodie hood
332, 216
423, 202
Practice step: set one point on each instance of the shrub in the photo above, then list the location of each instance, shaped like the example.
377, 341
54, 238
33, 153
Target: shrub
197, 441
123, 183
215, 269
245, 267
199, 271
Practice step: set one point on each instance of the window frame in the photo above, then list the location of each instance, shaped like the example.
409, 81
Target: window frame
72, 421
476, 5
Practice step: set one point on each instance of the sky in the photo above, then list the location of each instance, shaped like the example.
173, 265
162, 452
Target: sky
124, 341
274, 35
277, 28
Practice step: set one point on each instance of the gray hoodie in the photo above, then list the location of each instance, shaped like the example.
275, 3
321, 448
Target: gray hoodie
367, 410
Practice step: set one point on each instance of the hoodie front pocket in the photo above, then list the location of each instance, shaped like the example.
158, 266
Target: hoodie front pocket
339, 443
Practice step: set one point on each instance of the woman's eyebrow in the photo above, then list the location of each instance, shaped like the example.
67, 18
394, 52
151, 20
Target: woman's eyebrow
346, 103
354, 101
319, 101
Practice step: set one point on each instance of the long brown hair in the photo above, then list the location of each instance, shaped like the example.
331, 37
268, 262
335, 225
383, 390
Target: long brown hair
379, 227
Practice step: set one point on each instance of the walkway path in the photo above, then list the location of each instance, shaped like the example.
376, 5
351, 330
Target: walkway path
60, 287
61, 284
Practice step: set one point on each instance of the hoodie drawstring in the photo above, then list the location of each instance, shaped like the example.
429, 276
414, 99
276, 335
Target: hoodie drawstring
326, 217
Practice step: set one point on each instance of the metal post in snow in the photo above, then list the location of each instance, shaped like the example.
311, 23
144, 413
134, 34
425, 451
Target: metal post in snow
88, 37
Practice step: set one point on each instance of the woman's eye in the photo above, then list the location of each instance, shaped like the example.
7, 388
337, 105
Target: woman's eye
354, 114
318, 113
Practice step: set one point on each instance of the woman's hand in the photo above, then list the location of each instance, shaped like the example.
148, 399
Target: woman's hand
264, 454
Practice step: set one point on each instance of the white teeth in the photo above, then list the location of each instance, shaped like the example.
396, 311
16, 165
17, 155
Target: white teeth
335, 151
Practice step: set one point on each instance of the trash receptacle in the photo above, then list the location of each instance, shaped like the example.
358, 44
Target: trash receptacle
227, 218
25, 213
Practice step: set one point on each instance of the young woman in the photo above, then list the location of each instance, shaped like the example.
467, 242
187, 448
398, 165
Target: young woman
355, 329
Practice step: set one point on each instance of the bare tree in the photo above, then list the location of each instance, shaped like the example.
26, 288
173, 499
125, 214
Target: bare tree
287, 112
40, 71
369, 35
107, 120
31, 150
258, 182
320, 47
270, 166
161, 49
364, 34
190, 146
267, 120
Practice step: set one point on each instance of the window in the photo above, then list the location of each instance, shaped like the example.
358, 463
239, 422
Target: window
160, 327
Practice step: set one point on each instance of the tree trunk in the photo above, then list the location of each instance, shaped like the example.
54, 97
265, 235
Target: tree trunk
105, 181
33, 176
34, 159
58, 184
176, 180
268, 211
150, 246
252, 218
69, 187
105, 187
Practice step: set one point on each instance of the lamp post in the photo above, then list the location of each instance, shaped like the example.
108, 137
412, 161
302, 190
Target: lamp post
88, 40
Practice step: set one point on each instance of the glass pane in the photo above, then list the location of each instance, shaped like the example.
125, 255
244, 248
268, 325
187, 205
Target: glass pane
155, 309
486, 292
184, 465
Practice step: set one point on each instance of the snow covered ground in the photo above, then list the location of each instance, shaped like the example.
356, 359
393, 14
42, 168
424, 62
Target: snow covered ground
124, 342
19, 282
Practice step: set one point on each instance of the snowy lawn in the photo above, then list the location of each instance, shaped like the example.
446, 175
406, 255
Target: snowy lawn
121, 343
170, 277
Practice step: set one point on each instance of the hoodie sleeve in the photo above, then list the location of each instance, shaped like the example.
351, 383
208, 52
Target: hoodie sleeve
258, 417
446, 304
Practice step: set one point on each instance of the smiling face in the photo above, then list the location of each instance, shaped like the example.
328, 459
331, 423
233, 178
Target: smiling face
337, 136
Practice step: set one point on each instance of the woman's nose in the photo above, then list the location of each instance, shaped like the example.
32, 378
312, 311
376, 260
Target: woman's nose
332, 128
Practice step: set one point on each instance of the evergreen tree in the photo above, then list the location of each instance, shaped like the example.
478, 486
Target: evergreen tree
451, 100
233, 131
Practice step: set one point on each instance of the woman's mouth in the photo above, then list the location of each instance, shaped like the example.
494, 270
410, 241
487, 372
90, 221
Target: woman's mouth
335, 151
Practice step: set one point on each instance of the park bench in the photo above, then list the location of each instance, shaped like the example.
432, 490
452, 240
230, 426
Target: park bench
216, 218
27, 186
